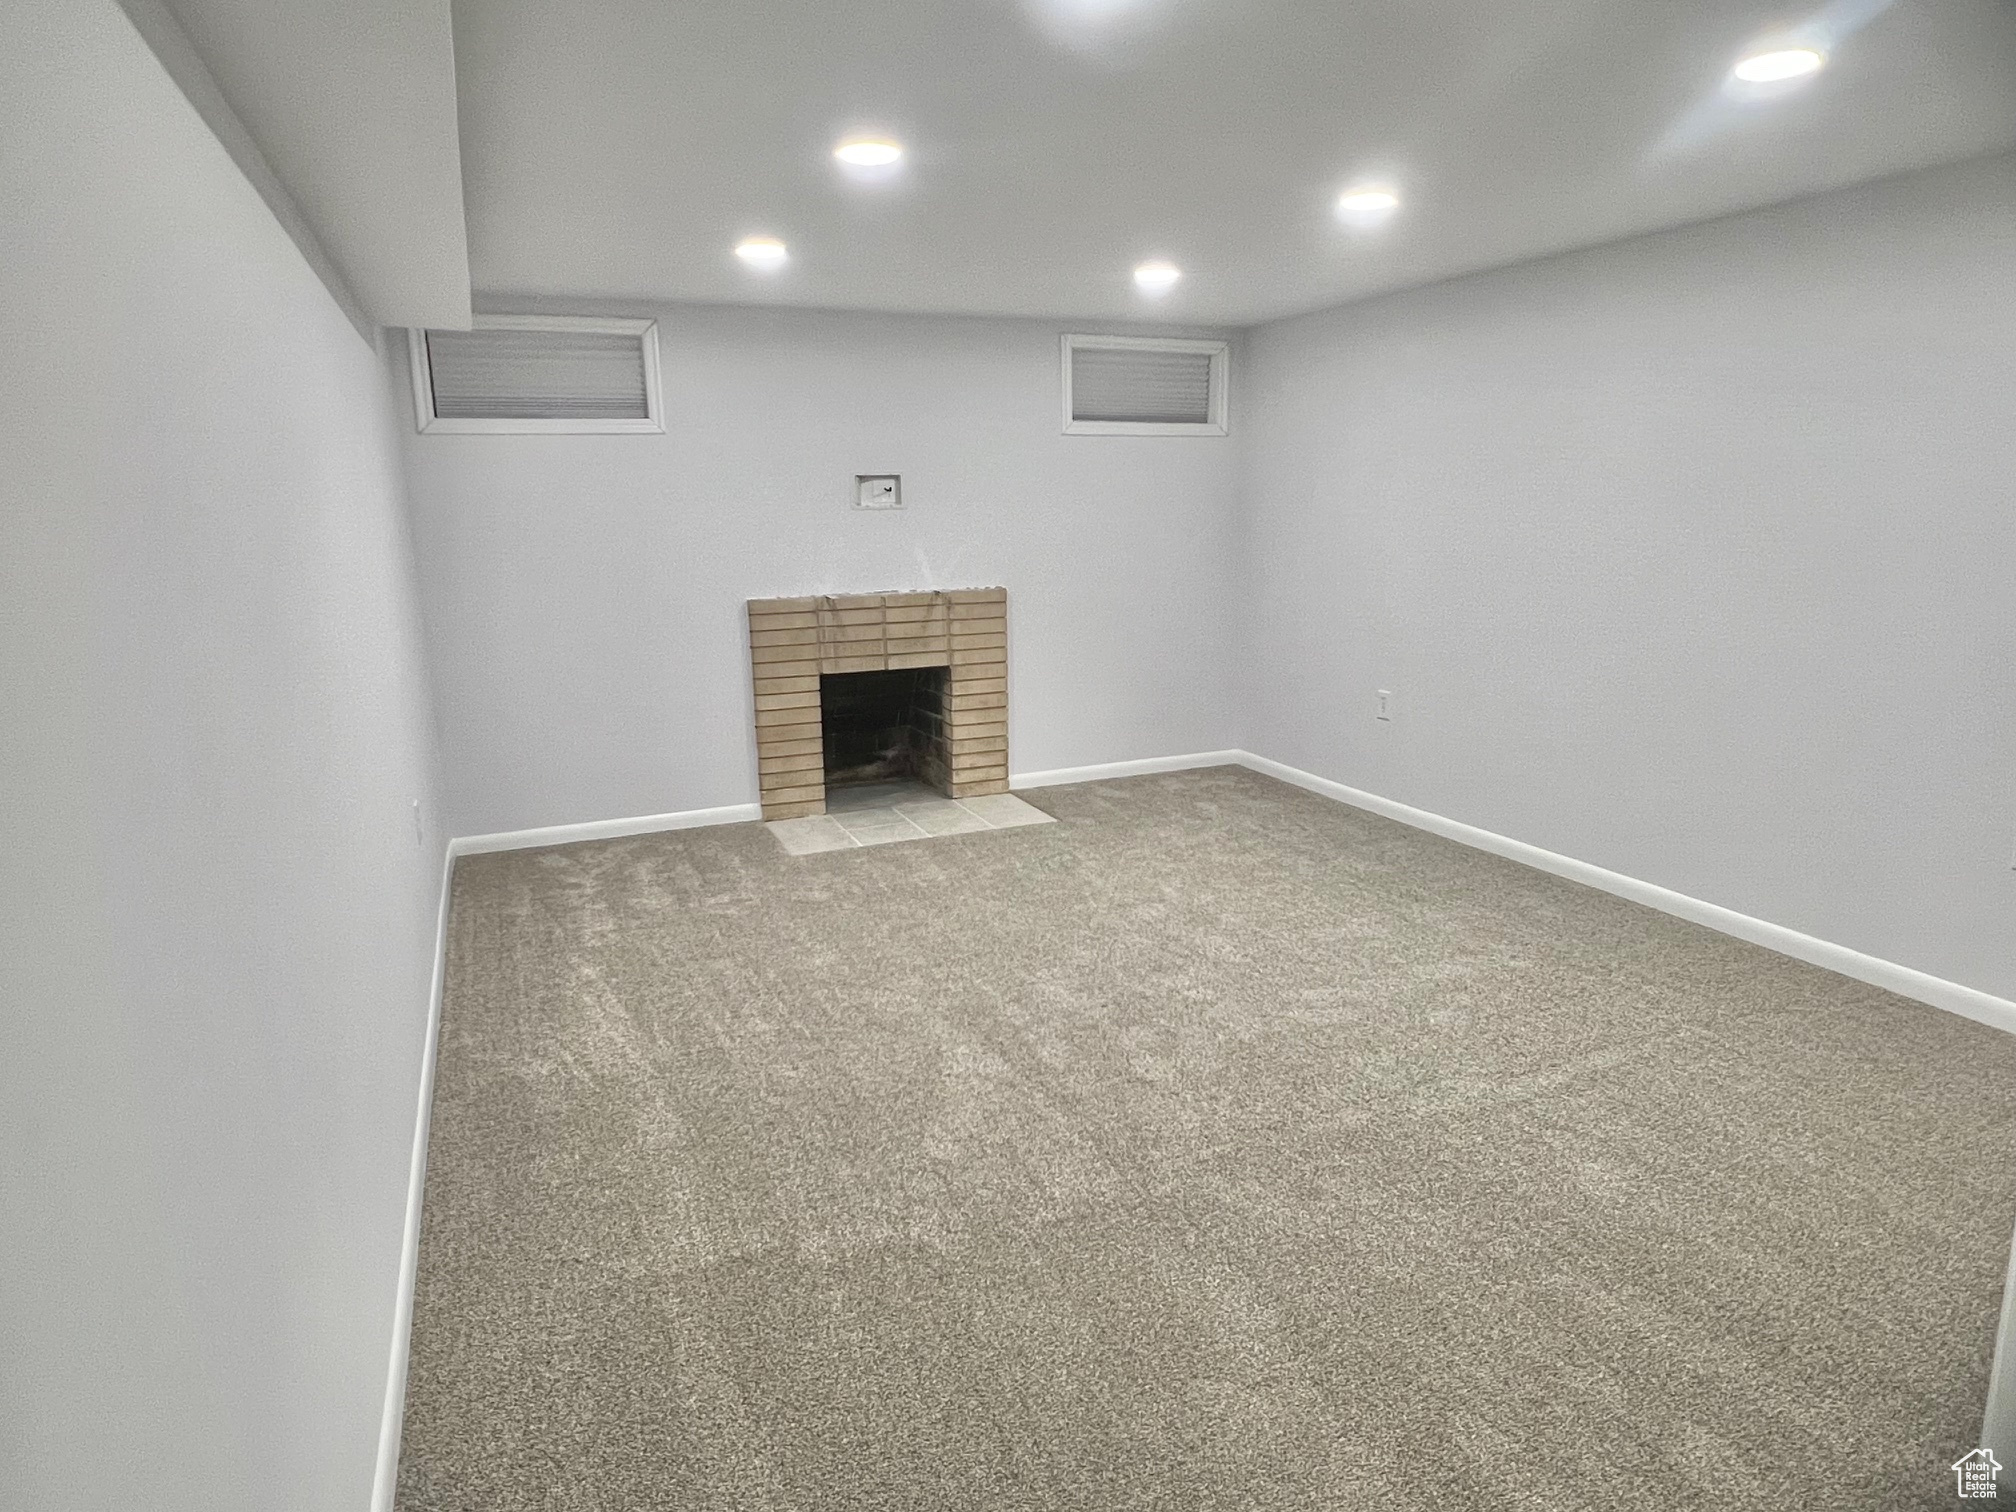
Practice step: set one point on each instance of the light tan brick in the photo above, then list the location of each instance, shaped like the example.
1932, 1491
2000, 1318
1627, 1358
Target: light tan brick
978, 721
917, 658
806, 635
976, 788
802, 682
965, 680
788, 700
804, 745
796, 810
874, 663
836, 634
787, 658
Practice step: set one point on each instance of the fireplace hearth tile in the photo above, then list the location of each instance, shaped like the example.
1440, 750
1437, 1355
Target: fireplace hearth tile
914, 819
875, 795
857, 819
944, 817
810, 835
882, 833
1005, 810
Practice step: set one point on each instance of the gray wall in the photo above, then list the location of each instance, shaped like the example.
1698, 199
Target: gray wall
1689, 556
216, 923
584, 594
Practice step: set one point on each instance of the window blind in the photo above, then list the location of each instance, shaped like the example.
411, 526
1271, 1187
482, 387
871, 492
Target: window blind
1140, 385
537, 375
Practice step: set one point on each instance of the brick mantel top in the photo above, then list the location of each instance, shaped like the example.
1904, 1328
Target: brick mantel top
794, 641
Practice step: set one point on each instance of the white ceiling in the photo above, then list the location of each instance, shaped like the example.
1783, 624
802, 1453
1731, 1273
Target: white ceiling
616, 149
352, 104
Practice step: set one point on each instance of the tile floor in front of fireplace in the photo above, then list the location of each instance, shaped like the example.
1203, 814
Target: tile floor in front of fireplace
879, 813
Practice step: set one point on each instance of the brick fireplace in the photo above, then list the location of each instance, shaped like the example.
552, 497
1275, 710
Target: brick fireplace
960, 719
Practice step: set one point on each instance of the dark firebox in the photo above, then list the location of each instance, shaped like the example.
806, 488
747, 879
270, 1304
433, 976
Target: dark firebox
884, 726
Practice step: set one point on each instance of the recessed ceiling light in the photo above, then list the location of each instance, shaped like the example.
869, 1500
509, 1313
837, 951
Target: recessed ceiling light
868, 152
765, 252
1779, 65
1157, 277
1367, 205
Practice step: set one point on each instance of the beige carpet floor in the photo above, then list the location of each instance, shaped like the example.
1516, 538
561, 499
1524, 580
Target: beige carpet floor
1215, 1147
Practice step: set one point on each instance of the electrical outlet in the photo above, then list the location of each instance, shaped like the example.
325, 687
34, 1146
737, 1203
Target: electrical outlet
878, 491
1385, 705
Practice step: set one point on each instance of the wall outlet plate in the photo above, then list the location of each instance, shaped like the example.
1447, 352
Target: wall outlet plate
878, 491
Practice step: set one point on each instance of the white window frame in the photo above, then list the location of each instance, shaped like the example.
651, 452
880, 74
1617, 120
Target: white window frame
646, 330
1220, 353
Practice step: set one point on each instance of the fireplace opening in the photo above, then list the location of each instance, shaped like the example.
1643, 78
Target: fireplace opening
884, 726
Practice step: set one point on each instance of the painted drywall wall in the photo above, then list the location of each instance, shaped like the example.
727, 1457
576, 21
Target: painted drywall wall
1688, 556
584, 594
216, 918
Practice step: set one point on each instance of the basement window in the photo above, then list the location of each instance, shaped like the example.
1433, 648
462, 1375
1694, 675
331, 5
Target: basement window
1144, 386
538, 374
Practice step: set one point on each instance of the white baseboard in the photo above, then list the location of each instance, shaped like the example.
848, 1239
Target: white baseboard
1968, 1002
604, 829
1127, 769
385, 1483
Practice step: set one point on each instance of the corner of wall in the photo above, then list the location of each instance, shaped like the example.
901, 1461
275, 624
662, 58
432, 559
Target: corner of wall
170, 44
